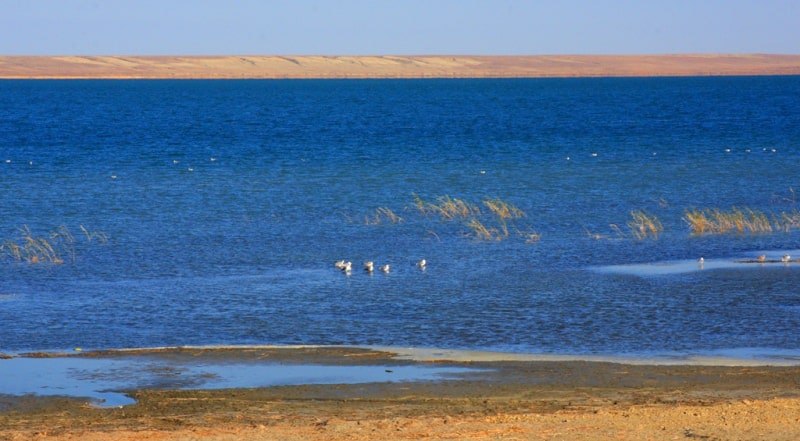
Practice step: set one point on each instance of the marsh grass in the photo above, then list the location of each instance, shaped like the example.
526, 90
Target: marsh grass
50, 248
502, 209
91, 236
736, 220
740, 221
481, 231
496, 223
644, 225
447, 208
383, 214
787, 221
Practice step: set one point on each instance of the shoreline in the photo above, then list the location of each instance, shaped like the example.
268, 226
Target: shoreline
395, 67
500, 399
722, 358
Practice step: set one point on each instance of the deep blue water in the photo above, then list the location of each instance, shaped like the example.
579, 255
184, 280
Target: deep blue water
240, 249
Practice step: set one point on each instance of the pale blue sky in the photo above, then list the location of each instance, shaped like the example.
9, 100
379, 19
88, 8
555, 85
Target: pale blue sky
361, 27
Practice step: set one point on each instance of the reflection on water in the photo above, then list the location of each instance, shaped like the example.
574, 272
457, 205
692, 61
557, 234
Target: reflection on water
105, 380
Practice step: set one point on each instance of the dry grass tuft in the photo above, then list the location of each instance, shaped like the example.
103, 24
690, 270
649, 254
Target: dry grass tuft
50, 248
447, 208
383, 214
98, 236
735, 220
481, 231
502, 209
644, 225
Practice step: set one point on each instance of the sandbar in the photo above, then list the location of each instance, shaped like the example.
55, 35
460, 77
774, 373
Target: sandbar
502, 399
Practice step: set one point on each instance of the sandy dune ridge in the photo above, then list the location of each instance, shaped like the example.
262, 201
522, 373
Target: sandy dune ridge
457, 66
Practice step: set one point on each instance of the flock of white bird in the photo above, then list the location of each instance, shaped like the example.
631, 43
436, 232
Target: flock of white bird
369, 266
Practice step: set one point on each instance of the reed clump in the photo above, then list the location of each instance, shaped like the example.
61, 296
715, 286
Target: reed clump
52, 248
447, 208
383, 214
502, 209
644, 225
481, 231
787, 221
35, 249
736, 220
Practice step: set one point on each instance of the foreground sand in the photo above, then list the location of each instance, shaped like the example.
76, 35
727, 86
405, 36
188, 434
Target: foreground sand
395, 66
562, 400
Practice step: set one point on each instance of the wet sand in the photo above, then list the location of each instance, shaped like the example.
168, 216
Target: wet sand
388, 66
512, 399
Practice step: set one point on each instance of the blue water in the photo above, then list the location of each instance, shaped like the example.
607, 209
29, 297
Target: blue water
240, 249
103, 380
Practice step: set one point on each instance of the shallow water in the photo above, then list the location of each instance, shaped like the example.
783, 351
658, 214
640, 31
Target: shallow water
240, 249
104, 381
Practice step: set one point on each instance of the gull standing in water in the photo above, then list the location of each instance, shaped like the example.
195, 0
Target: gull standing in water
422, 264
385, 268
369, 266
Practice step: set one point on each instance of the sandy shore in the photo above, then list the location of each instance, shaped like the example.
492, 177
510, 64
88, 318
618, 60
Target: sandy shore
506, 400
395, 66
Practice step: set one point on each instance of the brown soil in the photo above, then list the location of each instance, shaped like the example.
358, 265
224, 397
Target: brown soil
510, 400
395, 66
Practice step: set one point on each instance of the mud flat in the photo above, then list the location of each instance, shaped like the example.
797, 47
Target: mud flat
500, 399
388, 66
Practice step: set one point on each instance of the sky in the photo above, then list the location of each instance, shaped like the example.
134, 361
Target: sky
398, 27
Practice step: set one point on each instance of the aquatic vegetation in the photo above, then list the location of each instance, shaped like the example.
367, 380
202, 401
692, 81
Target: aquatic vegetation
31, 248
735, 220
495, 224
502, 209
740, 221
383, 214
446, 207
99, 236
50, 248
644, 225
787, 221
481, 231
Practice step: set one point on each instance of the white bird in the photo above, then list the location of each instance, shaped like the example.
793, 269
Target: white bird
213, 159
594, 155
701, 262
8, 161
369, 266
175, 161
190, 169
422, 264
339, 264
385, 268
786, 258
113, 176
347, 267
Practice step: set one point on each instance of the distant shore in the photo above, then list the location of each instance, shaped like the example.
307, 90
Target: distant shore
456, 66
